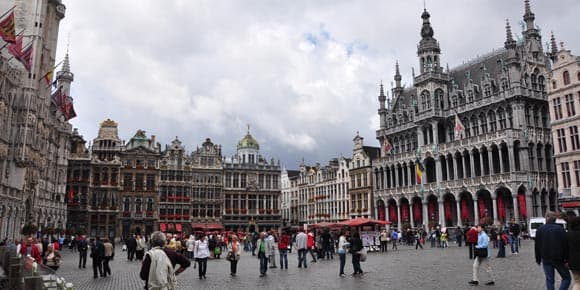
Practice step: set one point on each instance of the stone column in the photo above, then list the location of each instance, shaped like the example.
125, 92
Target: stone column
500, 159
387, 216
438, 170
463, 166
400, 222
471, 163
434, 131
420, 136
455, 176
441, 213
516, 208
459, 221
411, 218
481, 163
512, 165
475, 212
495, 216
397, 176
490, 161
425, 214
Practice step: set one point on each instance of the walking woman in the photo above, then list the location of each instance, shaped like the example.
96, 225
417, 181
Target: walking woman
574, 250
201, 253
482, 257
233, 254
342, 245
52, 258
356, 246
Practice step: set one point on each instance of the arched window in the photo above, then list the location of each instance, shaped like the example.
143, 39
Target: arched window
149, 204
426, 100
501, 117
578, 76
474, 126
492, 123
541, 83
439, 99
534, 80
566, 77
126, 205
554, 84
467, 127
483, 123
138, 205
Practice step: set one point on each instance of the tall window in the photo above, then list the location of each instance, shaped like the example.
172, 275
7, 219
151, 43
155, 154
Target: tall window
577, 172
566, 77
565, 175
502, 122
570, 105
483, 123
426, 100
574, 138
562, 140
492, 123
474, 126
556, 104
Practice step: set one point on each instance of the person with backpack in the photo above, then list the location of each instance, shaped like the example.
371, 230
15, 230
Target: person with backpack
158, 268
503, 240
82, 246
394, 239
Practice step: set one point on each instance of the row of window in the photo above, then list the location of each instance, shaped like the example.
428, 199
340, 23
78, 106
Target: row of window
242, 180
565, 172
574, 139
570, 108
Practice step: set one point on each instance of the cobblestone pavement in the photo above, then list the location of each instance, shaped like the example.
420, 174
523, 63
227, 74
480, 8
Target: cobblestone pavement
403, 269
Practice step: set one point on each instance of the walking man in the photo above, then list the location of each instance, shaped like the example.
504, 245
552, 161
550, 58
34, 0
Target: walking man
263, 254
301, 244
82, 247
515, 230
97, 255
394, 239
131, 247
551, 249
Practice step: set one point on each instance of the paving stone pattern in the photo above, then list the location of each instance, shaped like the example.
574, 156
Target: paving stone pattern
403, 269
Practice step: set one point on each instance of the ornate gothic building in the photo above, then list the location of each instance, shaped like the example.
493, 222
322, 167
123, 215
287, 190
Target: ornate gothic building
33, 134
207, 200
500, 168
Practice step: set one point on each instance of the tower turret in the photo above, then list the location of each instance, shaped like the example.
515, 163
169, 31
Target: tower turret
65, 77
428, 50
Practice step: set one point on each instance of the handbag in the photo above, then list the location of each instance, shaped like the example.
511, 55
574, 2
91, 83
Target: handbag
231, 256
481, 252
363, 254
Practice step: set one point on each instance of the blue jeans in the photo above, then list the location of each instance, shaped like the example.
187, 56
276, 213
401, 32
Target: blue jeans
283, 258
342, 262
356, 264
263, 262
302, 258
515, 244
562, 270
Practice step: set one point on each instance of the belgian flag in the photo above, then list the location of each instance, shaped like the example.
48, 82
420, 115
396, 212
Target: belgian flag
419, 170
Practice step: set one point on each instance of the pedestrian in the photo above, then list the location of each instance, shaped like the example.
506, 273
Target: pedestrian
263, 253
515, 230
97, 255
551, 249
418, 241
394, 239
311, 245
301, 247
158, 268
459, 236
82, 247
283, 250
443, 239
503, 240
30, 248
471, 241
233, 254
52, 258
355, 246
574, 250
201, 253
109, 253
140, 248
482, 257
327, 244
342, 246
254, 243
271, 242
384, 238
131, 247
190, 244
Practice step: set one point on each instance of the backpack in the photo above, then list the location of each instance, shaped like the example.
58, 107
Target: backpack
161, 273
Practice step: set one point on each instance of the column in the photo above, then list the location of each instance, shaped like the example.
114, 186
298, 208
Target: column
471, 164
455, 176
494, 204
411, 218
425, 215
397, 177
459, 221
475, 212
400, 222
481, 163
412, 175
490, 160
500, 159
511, 158
438, 170
420, 136
441, 214
387, 216
435, 132
463, 166
516, 208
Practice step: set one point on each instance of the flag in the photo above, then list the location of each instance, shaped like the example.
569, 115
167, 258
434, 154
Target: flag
419, 171
387, 147
459, 128
16, 48
67, 109
26, 57
71, 195
48, 78
7, 28
58, 98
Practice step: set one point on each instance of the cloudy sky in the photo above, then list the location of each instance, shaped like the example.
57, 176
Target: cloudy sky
303, 74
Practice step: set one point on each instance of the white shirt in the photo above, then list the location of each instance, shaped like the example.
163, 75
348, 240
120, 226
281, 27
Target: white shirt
201, 249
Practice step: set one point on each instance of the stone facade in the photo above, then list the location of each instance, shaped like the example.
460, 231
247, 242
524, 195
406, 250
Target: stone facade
501, 167
564, 98
207, 200
251, 189
33, 134
361, 179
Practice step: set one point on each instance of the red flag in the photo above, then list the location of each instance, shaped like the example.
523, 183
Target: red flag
16, 48
68, 110
7, 30
58, 98
71, 195
26, 57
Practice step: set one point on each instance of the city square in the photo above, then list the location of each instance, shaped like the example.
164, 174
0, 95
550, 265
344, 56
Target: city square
147, 126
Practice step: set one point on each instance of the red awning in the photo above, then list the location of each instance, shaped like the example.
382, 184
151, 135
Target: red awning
324, 225
362, 221
570, 204
162, 227
207, 226
178, 227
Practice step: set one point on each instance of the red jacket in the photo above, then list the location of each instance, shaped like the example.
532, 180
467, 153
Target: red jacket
283, 242
34, 253
310, 242
471, 236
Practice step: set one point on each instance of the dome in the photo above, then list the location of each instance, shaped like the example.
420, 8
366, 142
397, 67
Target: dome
248, 142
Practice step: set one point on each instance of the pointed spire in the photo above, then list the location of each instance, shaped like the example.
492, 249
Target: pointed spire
65, 63
382, 90
397, 75
554, 46
529, 16
509, 42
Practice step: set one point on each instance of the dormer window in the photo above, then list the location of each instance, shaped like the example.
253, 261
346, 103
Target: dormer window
566, 77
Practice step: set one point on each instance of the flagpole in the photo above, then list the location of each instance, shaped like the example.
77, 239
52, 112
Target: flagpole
8, 11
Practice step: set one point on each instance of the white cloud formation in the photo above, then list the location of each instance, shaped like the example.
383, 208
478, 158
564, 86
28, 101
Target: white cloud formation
303, 74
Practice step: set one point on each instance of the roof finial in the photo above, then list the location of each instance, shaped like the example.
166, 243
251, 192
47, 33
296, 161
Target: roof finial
382, 92
509, 42
554, 46
529, 15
